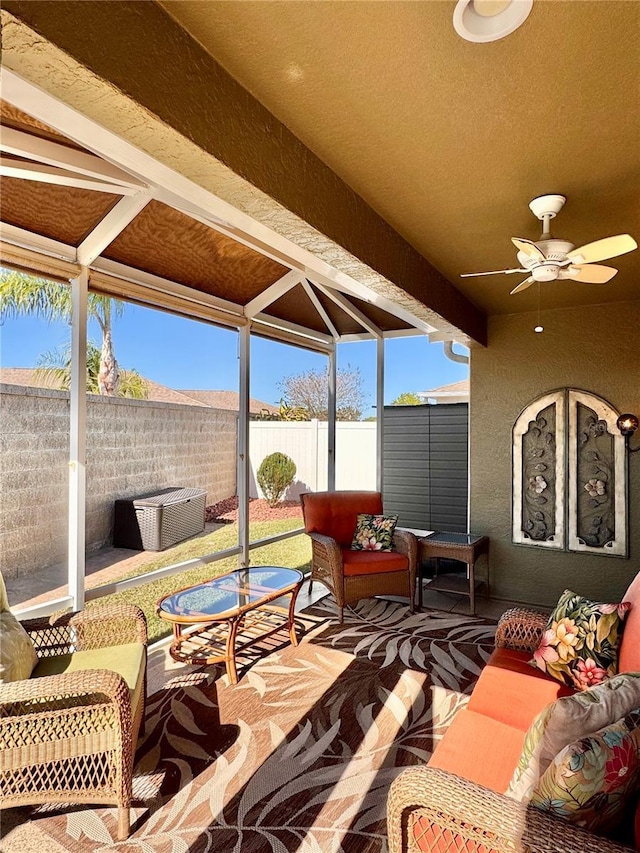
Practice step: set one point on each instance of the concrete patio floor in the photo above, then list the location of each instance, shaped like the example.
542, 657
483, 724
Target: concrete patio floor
103, 566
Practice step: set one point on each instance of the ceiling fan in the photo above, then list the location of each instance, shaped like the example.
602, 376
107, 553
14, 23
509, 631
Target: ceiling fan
549, 259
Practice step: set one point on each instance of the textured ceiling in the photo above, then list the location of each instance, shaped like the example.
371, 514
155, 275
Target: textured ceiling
449, 140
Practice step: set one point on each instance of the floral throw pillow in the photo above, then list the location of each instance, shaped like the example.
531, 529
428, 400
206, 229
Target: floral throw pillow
567, 720
580, 646
374, 532
590, 781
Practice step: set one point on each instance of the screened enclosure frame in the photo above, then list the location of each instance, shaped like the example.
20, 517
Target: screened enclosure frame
79, 155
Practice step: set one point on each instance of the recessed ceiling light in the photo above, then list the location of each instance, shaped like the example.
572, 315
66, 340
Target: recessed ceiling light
489, 20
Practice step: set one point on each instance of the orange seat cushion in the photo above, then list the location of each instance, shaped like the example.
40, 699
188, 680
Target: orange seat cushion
335, 514
629, 654
512, 692
373, 562
479, 749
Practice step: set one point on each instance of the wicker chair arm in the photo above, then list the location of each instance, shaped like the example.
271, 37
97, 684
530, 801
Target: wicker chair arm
520, 629
98, 627
109, 625
405, 542
470, 816
63, 690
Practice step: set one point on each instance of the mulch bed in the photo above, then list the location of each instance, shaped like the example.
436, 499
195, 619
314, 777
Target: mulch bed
259, 510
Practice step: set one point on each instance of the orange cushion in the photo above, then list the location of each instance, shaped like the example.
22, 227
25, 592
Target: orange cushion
372, 562
335, 514
479, 749
629, 654
512, 692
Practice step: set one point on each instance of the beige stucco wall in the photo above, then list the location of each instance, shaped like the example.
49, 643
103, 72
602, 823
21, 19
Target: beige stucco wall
595, 349
133, 446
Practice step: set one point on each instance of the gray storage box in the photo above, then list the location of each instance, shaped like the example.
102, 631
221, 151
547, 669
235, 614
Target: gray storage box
158, 520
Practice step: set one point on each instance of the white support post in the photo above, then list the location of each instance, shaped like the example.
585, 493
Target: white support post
380, 413
77, 443
243, 447
331, 425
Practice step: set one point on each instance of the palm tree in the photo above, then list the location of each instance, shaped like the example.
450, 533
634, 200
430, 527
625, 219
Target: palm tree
22, 294
54, 371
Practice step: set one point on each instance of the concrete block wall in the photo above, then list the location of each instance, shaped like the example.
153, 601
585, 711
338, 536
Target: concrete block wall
133, 446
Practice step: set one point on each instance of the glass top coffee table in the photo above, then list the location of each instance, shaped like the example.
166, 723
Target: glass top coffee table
206, 617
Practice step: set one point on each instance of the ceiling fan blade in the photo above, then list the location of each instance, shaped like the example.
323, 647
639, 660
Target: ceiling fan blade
493, 272
528, 247
602, 250
589, 273
523, 285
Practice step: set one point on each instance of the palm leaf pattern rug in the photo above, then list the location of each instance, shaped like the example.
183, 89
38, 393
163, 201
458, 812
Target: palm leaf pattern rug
299, 755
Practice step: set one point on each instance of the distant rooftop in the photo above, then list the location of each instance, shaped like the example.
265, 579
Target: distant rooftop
227, 400
455, 392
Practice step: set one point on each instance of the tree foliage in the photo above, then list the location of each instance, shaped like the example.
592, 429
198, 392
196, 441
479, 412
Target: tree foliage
275, 475
22, 294
54, 371
309, 392
407, 398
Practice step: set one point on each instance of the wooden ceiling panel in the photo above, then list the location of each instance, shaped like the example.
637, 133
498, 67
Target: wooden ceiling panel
382, 319
62, 213
296, 307
11, 116
165, 242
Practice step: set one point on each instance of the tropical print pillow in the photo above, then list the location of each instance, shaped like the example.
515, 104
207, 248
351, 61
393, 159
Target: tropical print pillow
580, 645
374, 532
590, 781
567, 720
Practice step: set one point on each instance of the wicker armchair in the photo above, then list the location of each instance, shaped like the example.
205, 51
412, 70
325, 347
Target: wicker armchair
330, 520
71, 737
432, 809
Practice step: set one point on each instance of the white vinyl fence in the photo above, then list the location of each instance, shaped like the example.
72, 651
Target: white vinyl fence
306, 443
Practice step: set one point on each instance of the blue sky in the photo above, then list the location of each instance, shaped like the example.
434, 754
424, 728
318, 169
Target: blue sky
183, 353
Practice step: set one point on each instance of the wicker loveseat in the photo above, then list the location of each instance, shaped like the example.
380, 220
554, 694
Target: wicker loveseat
456, 802
68, 733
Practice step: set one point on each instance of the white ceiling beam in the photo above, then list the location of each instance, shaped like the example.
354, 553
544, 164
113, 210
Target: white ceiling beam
398, 333
164, 285
29, 171
318, 306
30, 147
350, 309
110, 226
180, 192
36, 242
272, 293
294, 328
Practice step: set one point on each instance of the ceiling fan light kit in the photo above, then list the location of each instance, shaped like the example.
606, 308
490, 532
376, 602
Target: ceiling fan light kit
489, 20
551, 259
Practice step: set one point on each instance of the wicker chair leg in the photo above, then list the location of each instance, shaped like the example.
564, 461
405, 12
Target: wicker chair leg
124, 823
310, 585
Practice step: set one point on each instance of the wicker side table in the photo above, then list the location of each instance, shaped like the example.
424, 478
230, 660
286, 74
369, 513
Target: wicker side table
456, 546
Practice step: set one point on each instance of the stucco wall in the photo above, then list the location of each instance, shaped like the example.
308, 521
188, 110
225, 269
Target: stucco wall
133, 446
595, 349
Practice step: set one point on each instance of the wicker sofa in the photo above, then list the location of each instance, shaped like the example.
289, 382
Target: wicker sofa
456, 802
68, 733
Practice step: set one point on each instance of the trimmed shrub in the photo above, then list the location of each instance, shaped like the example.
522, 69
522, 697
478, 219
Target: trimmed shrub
275, 475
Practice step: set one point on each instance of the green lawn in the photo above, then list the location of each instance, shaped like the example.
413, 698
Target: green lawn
294, 553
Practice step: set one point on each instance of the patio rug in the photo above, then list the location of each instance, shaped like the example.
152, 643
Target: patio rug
299, 755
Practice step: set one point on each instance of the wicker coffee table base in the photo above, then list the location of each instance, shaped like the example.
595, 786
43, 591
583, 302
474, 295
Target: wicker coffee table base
221, 640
